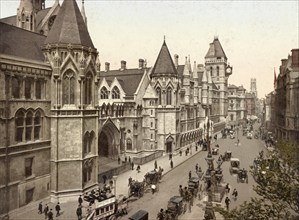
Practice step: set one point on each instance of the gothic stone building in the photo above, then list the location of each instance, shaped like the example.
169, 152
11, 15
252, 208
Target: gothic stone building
60, 114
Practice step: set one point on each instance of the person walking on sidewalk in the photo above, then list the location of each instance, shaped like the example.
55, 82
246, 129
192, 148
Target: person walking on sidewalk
118, 159
190, 174
50, 215
138, 169
196, 167
79, 212
227, 202
171, 164
57, 208
227, 188
130, 181
80, 200
132, 165
170, 156
40, 208
46, 209
156, 165
181, 153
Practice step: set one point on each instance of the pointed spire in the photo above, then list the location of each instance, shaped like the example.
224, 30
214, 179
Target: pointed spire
195, 71
69, 27
83, 13
186, 68
215, 50
164, 63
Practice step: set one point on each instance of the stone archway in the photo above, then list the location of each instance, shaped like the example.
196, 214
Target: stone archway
109, 140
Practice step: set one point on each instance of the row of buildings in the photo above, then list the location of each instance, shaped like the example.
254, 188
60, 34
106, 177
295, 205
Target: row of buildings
61, 111
281, 107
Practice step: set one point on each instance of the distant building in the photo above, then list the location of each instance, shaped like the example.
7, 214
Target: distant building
236, 105
285, 117
253, 88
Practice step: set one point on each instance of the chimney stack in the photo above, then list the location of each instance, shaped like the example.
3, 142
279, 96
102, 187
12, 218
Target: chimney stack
176, 60
123, 65
141, 63
295, 57
107, 67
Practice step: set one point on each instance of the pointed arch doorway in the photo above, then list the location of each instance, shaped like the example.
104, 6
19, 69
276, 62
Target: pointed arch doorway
109, 140
169, 142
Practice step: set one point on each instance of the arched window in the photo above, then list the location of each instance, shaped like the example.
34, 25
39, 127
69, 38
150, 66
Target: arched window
88, 89
129, 144
19, 122
37, 125
217, 70
104, 93
68, 88
115, 93
87, 142
29, 126
16, 87
28, 84
168, 96
38, 89
158, 90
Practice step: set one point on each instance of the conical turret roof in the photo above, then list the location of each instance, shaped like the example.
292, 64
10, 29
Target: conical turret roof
215, 50
69, 27
164, 63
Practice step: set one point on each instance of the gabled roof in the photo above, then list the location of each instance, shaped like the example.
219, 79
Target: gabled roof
232, 86
129, 79
164, 63
18, 42
215, 50
69, 27
150, 93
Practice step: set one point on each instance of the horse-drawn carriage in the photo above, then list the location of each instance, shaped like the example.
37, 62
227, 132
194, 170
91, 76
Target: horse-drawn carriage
152, 179
227, 156
215, 151
242, 176
234, 165
193, 185
136, 188
175, 207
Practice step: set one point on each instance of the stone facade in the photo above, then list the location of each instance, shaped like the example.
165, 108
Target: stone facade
237, 110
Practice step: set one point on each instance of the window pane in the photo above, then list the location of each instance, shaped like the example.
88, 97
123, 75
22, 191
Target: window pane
28, 133
37, 132
38, 89
28, 166
28, 88
19, 134
29, 195
29, 118
72, 90
65, 91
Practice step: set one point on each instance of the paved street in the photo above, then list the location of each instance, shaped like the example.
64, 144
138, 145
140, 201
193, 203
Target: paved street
246, 152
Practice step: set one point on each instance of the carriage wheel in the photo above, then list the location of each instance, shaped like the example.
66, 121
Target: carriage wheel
112, 217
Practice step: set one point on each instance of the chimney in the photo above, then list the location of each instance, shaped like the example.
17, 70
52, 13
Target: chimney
141, 63
295, 58
107, 67
123, 65
176, 60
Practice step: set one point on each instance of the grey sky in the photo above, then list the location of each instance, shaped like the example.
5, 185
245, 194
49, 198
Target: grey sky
255, 35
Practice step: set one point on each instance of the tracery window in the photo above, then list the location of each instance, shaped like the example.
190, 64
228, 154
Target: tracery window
29, 125
37, 125
104, 93
68, 88
217, 70
28, 85
129, 144
168, 96
115, 93
158, 90
88, 89
19, 122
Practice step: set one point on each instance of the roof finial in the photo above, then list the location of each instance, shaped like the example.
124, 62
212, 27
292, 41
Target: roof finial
216, 37
164, 38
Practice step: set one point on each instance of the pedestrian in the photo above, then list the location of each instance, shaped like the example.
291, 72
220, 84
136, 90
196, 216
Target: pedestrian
126, 159
190, 174
104, 179
181, 191
196, 147
57, 208
138, 169
156, 165
227, 188
80, 200
227, 202
132, 165
160, 215
181, 152
171, 164
50, 215
186, 152
118, 159
196, 167
79, 212
235, 194
46, 209
153, 187
40, 208
130, 181
129, 159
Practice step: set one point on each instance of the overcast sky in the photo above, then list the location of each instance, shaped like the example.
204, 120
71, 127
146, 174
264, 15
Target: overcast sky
255, 35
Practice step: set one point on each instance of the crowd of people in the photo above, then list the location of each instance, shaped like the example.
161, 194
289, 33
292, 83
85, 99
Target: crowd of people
47, 211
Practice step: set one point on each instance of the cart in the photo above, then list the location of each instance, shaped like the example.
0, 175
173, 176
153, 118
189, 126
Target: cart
242, 176
175, 207
227, 155
234, 165
193, 185
136, 189
140, 215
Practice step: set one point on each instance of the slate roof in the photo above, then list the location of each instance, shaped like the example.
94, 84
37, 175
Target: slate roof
164, 63
21, 43
41, 15
12, 20
69, 27
128, 78
215, 50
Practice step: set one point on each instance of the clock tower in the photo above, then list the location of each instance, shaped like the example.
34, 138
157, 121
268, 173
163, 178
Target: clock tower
216, 64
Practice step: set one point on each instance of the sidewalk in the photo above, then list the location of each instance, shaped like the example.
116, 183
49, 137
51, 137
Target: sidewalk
69, 209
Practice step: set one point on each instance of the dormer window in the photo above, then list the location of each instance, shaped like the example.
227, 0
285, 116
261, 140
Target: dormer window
115, 93
104, 93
